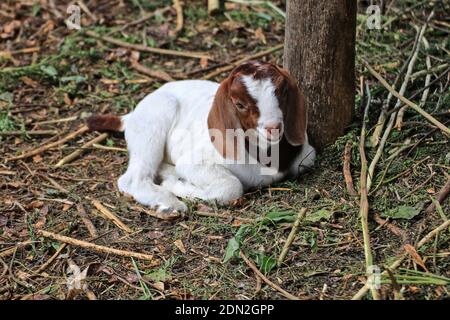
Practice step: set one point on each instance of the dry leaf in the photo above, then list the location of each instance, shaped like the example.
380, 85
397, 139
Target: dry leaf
259, 34
132, 278
3, 220
179, 244
37, 158
236, 223
22, 275
29, 81
67, 99
67, 206
40, 223
91, 295
232, 25
159, 285
203, 62
416, 257
76, 281
8, 29
135, 55
49, 26
154, 234
35, 204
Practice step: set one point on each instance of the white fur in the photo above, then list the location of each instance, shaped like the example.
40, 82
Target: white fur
263, 91
168, 140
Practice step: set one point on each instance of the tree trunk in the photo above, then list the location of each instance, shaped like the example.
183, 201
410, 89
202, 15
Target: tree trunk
320, 53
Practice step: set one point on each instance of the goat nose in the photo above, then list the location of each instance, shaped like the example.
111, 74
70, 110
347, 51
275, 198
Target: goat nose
273, 127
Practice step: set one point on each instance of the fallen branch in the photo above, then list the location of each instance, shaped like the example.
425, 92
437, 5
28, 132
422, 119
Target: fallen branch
111, 216
41, 149
186, 54
80, 151
69, 119
363, 291
263, 278
390, 226
180, 18
411, 104
94, 247
102, 147
87, 222
29, 133
18, 245
401, 112
423, 100
429, 70
159, 74
442, 195
346, 169
390, 124
364, 202
49, 261
419, 186
54, 183
240, 61
291, 237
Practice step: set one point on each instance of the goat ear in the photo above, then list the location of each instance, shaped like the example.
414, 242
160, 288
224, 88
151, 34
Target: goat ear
223, 121
294, 111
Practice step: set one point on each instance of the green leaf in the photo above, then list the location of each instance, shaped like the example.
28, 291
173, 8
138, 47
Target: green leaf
159, 275
49, 70
35, 10
234, 244
322, 214
280, 216
6, 96
243, 229
401, 212
77, 79
265, 263
109, 142
232, 247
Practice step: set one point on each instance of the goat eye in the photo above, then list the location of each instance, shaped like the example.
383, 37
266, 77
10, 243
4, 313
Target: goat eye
240, 106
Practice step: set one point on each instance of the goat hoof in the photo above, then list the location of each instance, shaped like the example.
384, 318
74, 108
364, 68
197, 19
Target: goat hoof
178, 207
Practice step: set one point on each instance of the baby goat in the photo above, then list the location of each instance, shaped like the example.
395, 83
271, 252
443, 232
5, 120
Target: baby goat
201, 139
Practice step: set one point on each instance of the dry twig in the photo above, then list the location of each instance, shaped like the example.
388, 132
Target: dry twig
346, 169
291, 237
411, 104
87, 222
264, 278
111, 216
363, 291
159, 74
138, 47
442, 195
46, 147
96, 247
79, 152
180, 18
364, 202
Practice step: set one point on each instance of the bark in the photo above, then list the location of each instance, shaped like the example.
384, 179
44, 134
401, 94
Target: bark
320, 53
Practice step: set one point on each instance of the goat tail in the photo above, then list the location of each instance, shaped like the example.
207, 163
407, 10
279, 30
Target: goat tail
106, 122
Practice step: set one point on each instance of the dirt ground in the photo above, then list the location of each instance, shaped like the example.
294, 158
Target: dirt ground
52, 78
